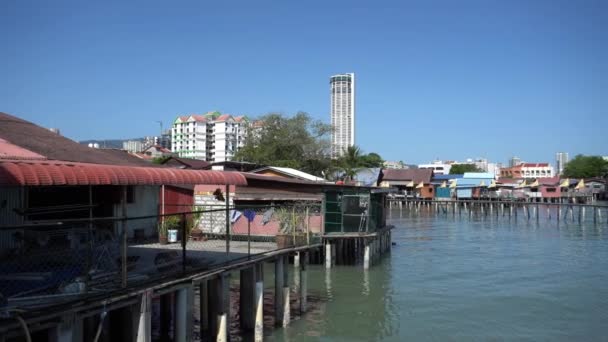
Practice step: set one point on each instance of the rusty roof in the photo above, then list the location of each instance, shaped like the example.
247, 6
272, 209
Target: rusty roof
53, 172
416, 175
50, 145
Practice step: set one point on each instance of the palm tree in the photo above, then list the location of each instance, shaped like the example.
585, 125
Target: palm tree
351, 161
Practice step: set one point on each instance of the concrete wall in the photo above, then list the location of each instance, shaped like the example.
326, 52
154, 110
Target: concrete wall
145, 203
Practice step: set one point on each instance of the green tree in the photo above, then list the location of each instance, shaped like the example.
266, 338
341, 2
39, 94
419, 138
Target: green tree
586, 166
372, 160
298, 142
458, 169
351, 162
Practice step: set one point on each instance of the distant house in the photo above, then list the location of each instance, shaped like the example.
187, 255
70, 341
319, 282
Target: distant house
154, 151
186, 163
287, 172
473, 185
408, 181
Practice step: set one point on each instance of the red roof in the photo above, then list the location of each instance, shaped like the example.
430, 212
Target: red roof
223, 117
46, 172
534, 164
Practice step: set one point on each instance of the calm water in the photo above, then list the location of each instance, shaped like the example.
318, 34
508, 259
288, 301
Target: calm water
450, 279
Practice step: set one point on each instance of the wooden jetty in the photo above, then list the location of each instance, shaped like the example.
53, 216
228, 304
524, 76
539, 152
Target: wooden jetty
567, 212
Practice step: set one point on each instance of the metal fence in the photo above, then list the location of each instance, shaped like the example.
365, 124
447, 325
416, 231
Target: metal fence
46, 263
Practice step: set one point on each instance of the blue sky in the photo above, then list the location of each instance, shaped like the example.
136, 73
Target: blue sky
435, 79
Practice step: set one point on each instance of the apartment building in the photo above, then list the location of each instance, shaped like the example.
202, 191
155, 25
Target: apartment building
213, 137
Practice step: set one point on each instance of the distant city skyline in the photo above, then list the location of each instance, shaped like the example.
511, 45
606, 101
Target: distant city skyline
441, 79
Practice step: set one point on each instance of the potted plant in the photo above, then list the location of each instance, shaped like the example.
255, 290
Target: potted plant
167, 226
193, 224
291, 226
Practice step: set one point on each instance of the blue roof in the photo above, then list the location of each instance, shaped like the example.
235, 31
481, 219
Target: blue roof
472, 181
479, 175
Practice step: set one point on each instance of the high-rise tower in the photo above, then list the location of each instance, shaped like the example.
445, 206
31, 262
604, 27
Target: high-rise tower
342, 112
561, 159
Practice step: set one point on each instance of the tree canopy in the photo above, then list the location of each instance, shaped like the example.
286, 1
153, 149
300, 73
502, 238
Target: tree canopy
301, 143
585, 167
458, 169
298, 142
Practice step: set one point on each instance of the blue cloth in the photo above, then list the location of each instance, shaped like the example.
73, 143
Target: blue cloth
249, 214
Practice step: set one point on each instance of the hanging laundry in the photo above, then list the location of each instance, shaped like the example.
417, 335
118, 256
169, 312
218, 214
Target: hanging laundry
249, 214
267, 216
234, 215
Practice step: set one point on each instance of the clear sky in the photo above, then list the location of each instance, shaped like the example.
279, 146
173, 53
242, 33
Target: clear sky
435, 79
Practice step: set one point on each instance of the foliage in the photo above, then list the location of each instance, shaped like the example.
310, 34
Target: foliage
168, 223
585, 167
372, 160
298, 142
291, 219
354, 160
458, 169
351, 162
160, 160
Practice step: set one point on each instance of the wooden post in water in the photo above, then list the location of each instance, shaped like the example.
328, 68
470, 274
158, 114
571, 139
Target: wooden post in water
328, 249
279, 277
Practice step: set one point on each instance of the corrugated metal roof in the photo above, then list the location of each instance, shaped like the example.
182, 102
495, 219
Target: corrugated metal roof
292, 173
46, 172
417, 175
484, 175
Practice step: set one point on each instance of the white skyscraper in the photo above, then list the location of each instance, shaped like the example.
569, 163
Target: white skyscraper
342, 112
561, 159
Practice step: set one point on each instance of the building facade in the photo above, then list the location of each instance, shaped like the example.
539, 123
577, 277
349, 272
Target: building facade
514, 161
342, 112
213, 137
528, 170
438, 167
561, 159
133, 146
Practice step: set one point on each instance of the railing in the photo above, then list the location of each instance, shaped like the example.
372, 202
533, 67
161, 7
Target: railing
47, 263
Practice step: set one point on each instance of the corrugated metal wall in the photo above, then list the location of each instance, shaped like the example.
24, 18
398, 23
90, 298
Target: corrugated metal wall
464, 193
10, 199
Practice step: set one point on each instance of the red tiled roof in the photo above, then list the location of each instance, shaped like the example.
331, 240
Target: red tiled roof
200, 118
534, 164
223, 117
46, 172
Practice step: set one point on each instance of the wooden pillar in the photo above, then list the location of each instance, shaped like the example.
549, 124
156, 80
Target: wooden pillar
303, 282
184, 304
203, 302
144, 329
259, 304
68, 330
328, 254
247, 298
286, 292
279, 274
366, 256
219, 306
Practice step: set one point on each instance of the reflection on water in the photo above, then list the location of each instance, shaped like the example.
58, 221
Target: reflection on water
460, 279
